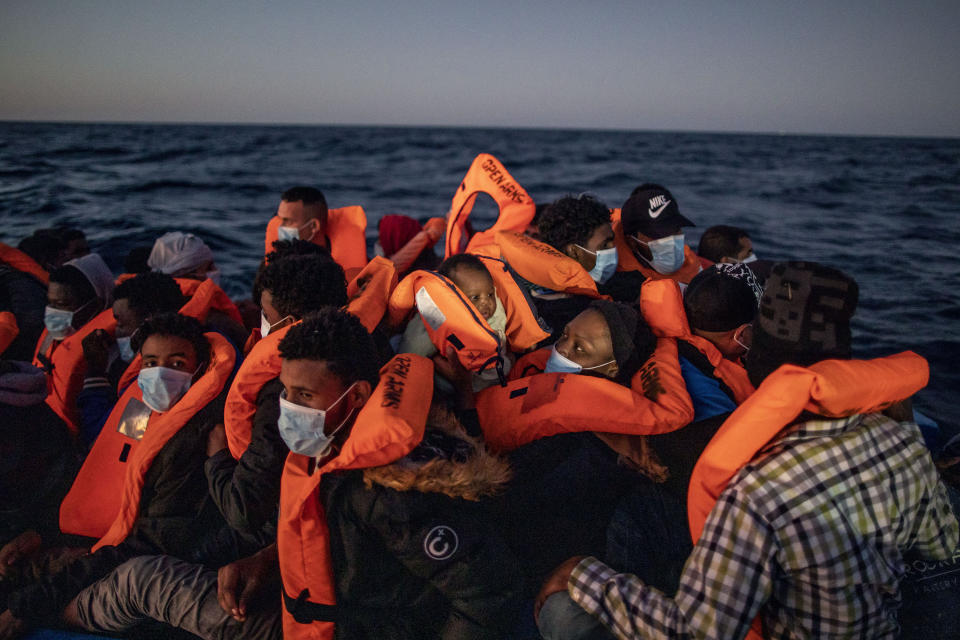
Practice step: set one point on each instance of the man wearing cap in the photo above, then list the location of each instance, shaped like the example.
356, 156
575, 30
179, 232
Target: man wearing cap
811, 531
650, 236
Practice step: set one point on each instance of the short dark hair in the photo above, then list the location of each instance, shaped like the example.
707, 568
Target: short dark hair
150, 293
69, 276
722, 297
338, 339
283, 249
179, 326
45, 248
572, 220
306, 195
301, 284
462, 261
720, 241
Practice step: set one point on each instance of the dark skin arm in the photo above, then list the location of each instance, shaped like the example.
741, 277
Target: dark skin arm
96, 351
241, 582
462, 379
555, 583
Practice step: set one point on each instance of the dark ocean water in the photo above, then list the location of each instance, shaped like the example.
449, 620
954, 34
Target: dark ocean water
885, 210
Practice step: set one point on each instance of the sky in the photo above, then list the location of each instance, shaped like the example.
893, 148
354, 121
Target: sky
840, 67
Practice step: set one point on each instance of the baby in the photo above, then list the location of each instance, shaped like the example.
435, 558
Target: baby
474, 281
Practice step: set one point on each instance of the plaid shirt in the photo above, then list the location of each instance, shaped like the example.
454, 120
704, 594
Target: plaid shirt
809, 534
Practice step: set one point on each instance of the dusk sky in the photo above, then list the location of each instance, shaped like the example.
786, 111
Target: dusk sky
855, 67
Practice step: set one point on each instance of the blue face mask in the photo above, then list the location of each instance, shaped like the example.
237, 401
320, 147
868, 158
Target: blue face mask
59, 323
559, 363
667, 253
293, 233
605, 266
163, 387
302, 427
127, 353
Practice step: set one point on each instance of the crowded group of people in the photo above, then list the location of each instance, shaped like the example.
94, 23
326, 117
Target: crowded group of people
568, 425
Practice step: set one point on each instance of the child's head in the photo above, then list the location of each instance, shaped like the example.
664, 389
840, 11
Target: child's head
472, 278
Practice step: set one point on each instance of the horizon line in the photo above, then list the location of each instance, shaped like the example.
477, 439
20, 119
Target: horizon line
198, 123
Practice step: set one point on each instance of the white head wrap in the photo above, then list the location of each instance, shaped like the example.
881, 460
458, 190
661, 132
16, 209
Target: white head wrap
97, 273
177, 253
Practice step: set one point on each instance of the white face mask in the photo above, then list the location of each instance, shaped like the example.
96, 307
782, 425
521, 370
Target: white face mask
266, 327
667, 253
559, 363
127, 353
605, 265
750, 258
293, 233
163, 387
59, 323
302, 427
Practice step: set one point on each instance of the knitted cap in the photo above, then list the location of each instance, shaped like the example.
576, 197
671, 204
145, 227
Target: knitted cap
632, 340
804, 317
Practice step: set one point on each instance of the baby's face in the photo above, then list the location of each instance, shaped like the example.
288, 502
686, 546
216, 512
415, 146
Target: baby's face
479, 289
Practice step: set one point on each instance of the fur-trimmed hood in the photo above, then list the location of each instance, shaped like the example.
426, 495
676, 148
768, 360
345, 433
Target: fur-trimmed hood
447, 461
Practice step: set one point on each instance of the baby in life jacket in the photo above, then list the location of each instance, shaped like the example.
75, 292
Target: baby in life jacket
472, 278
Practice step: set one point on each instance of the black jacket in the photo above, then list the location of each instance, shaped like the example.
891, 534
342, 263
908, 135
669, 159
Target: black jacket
414, 553
176, 513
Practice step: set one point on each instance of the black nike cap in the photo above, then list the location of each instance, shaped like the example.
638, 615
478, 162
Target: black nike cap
651, 210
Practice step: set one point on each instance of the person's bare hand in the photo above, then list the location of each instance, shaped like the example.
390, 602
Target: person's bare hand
96, 351
14, 551
217, 440
241, 582
460, 377
555, 583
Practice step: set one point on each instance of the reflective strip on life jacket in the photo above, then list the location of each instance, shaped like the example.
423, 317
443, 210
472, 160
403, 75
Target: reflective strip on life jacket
8, 330
20, 261
547, 404
449, 317
523, 326
389, 426
832, 388
104, 499
260, 366
66, 367
544, 266
661, 304
486, 175
628, 262
369, 292
346, 228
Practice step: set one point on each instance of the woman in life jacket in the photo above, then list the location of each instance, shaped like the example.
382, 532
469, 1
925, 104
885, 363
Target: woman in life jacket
142, 489
77, 296
407, 244
470, 276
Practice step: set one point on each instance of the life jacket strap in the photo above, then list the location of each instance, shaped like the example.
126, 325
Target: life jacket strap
305, 612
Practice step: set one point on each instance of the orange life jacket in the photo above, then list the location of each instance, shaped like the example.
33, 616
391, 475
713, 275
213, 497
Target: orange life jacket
66, 367
449, 317
831, 388
260, 366
544, 266
8, 330
523, 328
104, 499
628, 262
388, 427
370, 291
346, 229
22, 262
661, 304
203, 296
546, 404
486, 175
